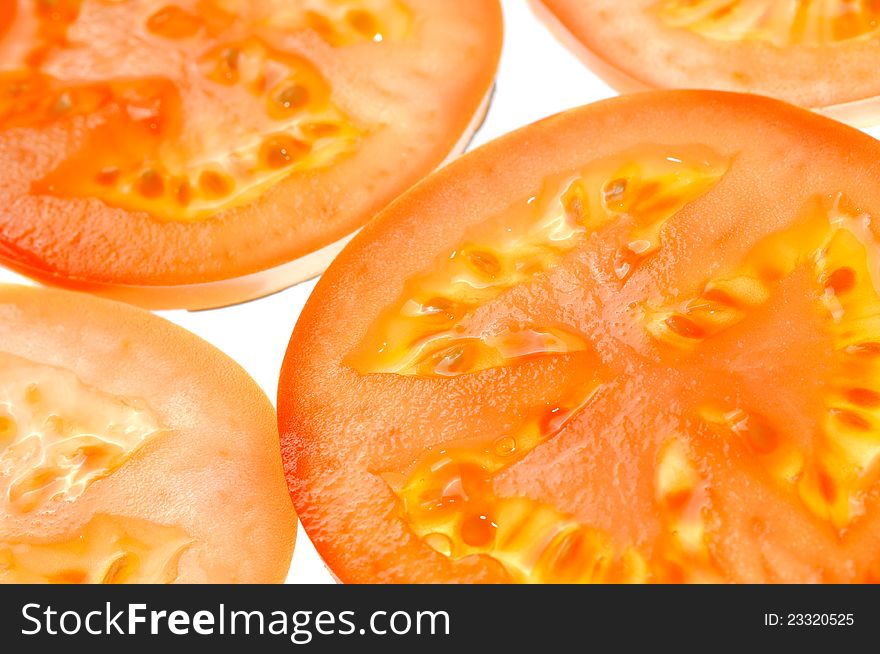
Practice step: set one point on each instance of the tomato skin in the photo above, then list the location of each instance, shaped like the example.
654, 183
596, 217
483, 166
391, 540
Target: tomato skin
610, 39
343, 432
292, 229
206, 483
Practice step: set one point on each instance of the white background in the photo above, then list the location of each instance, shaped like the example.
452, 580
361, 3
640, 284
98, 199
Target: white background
538, 77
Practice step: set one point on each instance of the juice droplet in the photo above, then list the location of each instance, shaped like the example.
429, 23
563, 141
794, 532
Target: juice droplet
292, 97
365, 24
505, 446
478, 530
440, 543
282, 151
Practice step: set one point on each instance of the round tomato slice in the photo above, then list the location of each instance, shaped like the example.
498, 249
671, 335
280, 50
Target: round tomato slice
820, 55
635, 342
131, 451
195, 153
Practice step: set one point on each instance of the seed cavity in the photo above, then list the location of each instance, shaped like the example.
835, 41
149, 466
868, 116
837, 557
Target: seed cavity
159, 147
685, 327
108, 549
426, 330
833, 474
59, 435
215, 184
841, 280
448, 500
851, 419
782, 24
863, 350
343, 23
151, 184
863, 397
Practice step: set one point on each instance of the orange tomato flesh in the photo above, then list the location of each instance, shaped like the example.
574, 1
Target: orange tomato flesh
162, 150
57, 437
199, 153
447, 496
654, 364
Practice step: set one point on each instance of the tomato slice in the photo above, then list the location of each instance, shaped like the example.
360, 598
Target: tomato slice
820, 55
635, 342
131, 451
200, 152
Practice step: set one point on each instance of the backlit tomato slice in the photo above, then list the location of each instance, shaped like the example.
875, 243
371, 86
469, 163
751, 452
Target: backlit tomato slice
200, 152
821, 55
131, 451
635, 342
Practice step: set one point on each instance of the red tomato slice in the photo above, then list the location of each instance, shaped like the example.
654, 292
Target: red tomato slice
200, 152
821, 55
131, 451
638, 341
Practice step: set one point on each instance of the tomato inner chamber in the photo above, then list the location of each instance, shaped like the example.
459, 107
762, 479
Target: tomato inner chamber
59, 435
448, 499
837, 248
108, 550
183, 109
780, 22
426, 332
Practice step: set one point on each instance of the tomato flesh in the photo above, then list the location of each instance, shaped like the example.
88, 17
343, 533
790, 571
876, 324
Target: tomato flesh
643, 358
97, 481
815, 54
165, 149
258, 133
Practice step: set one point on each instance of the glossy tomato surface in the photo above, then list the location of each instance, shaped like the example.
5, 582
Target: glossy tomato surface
634, 342
131, 451
816, 54
201, 152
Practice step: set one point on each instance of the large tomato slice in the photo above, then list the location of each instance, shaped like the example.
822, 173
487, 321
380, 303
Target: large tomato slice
131, 451
819, 54
199, 152
638, 341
